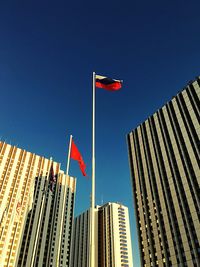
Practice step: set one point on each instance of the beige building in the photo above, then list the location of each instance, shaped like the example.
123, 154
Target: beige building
164, 156
35, 226
112, 238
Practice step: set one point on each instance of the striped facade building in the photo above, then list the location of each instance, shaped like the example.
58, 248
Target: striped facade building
79, 256
35, 223
164, 156
112, 238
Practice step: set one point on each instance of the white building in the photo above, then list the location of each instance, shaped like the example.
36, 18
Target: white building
35, 223
112, 238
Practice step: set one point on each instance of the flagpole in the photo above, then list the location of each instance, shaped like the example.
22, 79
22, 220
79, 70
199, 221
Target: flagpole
69, 152
93, 144
92, 220
63, 206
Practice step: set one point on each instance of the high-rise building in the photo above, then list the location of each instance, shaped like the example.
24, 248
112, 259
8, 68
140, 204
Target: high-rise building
35, 222
112, 238
80, 249
164, 158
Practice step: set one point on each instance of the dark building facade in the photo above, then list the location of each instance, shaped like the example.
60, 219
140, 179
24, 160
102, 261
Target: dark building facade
164, 159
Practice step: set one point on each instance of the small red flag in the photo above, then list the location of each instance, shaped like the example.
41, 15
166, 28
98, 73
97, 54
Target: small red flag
76, 155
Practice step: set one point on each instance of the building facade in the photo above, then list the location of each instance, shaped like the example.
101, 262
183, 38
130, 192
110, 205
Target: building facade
35, 222
164, 156
81, 240
112, 238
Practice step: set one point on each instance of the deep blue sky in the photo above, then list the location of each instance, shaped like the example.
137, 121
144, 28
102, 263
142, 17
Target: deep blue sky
48, 51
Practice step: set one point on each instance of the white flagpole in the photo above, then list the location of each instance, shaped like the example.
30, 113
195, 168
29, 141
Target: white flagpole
69, 152
92, 221
63, 206
93, 144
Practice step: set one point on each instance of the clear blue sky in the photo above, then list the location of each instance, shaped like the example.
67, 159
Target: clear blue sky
48, 51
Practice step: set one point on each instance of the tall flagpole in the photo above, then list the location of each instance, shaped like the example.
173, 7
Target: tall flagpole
69, 152
92, 220
93, 143
63, 206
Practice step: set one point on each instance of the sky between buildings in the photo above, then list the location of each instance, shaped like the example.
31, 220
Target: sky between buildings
48, 51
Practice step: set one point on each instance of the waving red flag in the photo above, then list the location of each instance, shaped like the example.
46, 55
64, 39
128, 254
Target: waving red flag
107, 83
76, 155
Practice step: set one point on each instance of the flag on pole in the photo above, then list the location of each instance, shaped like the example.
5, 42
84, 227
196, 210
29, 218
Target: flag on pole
107, 83
52, 178
76, 155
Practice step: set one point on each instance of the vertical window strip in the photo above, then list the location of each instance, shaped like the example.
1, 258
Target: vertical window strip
172, 164
189, 125
86, 237
69, 221
131, 163
74, 234
105, 236
140, 233
145, 160
109, 234
42, 222
50, 225
155, 193
43, 232
134, 188
183, 152
194, 101
144, 191
32, 216
169, 205
25, 247
149, 178
4, 179
186, 213
191, 175
198, 80
135, 164
24, 240
77, 246
40, 232
54, 209
82, 239
2, 144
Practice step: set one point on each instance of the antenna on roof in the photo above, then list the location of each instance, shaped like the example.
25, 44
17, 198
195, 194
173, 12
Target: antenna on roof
101, 199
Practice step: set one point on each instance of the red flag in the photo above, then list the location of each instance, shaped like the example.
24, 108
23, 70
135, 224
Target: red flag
76, 155
107, 83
